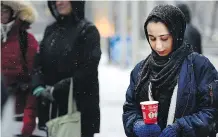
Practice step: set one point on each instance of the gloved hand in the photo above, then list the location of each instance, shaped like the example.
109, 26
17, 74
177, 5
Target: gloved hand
44, 92
170, 131
38, 91
144, 130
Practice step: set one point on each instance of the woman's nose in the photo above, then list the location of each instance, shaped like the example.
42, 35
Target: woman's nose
159, 45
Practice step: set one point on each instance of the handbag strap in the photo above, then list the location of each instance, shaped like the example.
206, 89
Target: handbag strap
71, 102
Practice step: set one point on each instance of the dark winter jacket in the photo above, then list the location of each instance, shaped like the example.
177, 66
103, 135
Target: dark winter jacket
192, 35
61, 58
196, 108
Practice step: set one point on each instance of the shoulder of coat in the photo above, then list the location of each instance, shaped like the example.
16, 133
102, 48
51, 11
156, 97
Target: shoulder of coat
197, 59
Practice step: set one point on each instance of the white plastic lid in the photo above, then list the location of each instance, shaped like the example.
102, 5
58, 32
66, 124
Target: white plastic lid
149, 102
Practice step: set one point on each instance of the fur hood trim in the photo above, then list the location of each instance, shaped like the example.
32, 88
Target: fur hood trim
24, 10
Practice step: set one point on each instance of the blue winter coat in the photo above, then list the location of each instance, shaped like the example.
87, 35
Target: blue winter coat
196, 108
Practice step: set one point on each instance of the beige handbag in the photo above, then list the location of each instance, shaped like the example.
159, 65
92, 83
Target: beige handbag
68, 125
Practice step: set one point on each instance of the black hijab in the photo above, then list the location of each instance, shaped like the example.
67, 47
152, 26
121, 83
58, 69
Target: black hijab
77, 14
163, 72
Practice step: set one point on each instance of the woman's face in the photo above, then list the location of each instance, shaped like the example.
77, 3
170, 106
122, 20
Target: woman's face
6, 14
160, 39
64, 7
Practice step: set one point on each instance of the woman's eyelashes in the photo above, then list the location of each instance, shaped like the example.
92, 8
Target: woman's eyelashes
162, 38
152, 38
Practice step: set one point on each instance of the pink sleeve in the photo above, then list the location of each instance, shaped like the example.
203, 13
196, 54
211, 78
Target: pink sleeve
30, 111
33, 46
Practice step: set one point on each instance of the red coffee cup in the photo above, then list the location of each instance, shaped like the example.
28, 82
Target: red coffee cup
149, 111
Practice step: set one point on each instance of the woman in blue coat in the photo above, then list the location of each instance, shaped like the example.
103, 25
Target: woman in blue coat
184, 82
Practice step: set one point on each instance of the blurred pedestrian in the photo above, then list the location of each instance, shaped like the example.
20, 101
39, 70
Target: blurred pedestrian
18, 48
182, 81
70, 49
192, 35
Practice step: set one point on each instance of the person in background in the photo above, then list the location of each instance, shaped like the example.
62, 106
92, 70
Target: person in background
182, 81
192, 35
18, 48
70, 49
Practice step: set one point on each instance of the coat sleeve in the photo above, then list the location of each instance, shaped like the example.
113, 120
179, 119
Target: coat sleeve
200, 123
30, 110
62, 86
37, 74
32, 50
131, 110
30, 113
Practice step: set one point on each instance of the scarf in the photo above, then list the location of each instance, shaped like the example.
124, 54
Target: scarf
5, 28
163, 74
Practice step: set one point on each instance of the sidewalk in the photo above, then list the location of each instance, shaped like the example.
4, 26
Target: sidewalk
113, 84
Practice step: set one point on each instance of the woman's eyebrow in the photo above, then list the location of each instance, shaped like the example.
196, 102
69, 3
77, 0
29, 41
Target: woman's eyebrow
159, 35
164, 35
150, 35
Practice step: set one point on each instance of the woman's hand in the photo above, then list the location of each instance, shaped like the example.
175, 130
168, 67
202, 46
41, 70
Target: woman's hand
169, 131
44, 92
38, 91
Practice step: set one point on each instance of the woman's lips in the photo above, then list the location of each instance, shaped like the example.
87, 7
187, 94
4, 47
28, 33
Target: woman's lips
160, 52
